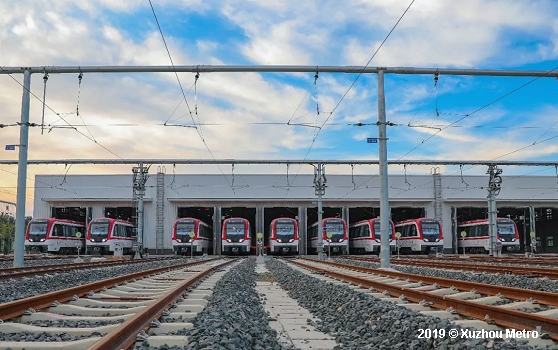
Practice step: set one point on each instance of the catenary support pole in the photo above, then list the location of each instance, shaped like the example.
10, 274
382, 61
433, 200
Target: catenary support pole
140, 206
19, 248
320, 190
385, 214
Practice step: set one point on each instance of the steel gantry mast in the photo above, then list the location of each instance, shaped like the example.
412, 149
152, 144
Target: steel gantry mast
494, 185
140, 178
384, 213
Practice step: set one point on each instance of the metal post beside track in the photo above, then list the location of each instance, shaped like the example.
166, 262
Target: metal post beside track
19, 248
385, 213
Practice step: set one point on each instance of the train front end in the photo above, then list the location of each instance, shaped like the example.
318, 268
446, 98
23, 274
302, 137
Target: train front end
335, 236
182, 242
432, 237
284, 236
98, 237
36, 237
236, 236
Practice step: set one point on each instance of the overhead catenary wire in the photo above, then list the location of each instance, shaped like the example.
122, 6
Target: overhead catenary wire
198, 128
480, 109
58, 114
351, 86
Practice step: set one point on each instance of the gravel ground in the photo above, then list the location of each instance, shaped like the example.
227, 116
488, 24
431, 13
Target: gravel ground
27, 287
73, 324
233, 318
39, 262
360, 321
516, 281
45, 337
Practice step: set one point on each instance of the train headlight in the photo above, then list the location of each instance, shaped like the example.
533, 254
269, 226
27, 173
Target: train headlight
30, 240
291, 240
437, 240
341, 241
42, 239
104, 240
228, 240
240, 240
279, 241
178, 240
513, 239
92, 240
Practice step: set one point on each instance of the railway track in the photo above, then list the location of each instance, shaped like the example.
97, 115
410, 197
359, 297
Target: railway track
511, 308
546, 261
130, 304
551, 273
18, 272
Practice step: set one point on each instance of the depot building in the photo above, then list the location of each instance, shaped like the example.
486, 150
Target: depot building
530, 201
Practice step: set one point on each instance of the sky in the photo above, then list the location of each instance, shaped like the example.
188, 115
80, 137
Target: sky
123, 115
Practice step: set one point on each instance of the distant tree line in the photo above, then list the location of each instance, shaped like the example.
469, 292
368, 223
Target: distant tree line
7, 229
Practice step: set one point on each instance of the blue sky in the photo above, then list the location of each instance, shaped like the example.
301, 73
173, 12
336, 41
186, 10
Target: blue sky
494, 34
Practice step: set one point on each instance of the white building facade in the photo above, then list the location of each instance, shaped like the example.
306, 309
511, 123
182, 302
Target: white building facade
435, 196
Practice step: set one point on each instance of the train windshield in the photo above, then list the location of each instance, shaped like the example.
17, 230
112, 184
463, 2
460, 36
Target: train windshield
183, 230
506, 231
99, 230
430, 230
285, 231
378, 232
235, 230
337, 230
38, 231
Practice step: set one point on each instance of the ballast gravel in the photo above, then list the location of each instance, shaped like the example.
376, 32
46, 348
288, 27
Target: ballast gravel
360, 321
73, 324
233, 319
38, 262
515, 281
27, 287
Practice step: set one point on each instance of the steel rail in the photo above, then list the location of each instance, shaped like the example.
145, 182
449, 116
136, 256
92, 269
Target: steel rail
503, 269
132, 161
524, 261
17, 308
545, 298
124, 336
502, 317
15, 272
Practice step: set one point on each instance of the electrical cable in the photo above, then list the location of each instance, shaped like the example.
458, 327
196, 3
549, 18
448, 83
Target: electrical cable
198, 128
480, 109
350, 87
58, 114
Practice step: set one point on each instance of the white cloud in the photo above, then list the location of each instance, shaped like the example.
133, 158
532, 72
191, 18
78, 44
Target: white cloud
288, 32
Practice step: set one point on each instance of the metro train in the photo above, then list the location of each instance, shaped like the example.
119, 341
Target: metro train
181, 241
236, 236
283, 236
51, 235
420, 235
365, 236
104, 235
339, 241
477, 240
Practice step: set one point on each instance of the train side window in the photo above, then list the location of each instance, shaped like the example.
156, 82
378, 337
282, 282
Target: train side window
57, 230
413, 230
483, 230
365, 231
117, 230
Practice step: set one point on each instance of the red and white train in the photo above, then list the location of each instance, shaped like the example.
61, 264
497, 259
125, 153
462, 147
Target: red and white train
54, 236
339, 240
104, 235
477, 239
181, 240
236, 236
283, 236
420, 235
365, 236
